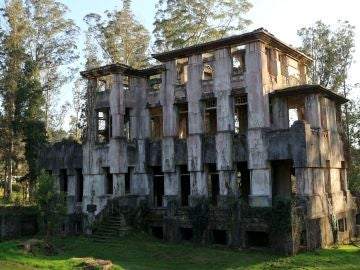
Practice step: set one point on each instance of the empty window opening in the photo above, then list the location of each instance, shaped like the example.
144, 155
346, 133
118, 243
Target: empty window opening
182, 70
126, 83
127, 124
157, 231
156, 123
293, 71
109, 187
208, 66
77, 227
243, 180
79, 185
257, 239
358, 219
241, 114
219, 237
328, 177
49, 172
127, 183
158, 186
183, 121
155, 82
282, 172
103, 126
342, 225
303, 238
213, 184
238, 61
343, 177
104, 83
210, 117
186, 234
296, 108
63, 181
185, 185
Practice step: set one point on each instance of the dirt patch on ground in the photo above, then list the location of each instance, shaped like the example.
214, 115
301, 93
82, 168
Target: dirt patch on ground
93, 264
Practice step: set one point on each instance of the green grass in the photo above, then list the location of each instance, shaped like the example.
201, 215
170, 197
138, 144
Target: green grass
141, 251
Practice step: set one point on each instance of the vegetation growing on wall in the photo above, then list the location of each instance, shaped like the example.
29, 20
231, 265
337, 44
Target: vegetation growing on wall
199, 218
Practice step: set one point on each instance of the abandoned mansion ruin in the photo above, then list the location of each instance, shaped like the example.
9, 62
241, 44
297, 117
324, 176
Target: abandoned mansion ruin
233, 121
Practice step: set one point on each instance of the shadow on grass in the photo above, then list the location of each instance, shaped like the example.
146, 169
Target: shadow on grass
141, 251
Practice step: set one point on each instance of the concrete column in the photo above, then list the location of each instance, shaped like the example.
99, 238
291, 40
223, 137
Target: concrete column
198, 178
225, 119
171, 178
171, 187
257, 81
280, 112
312, 110
118, 141
119, 184
139, 182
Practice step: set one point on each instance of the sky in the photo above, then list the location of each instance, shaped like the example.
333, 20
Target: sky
280, 17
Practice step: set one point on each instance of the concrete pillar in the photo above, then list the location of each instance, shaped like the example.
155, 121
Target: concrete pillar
171, 179
139, 182
225, 119
118, 141
257, 81
198, 178
118, 184
312, 110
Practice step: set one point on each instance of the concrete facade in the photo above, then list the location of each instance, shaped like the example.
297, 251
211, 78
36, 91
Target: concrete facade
224, 119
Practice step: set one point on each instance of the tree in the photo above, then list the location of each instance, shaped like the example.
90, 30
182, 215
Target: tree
332, 51
181, 23
31, 114
51, 46
120, 36
13, 56
76, 120
50, 204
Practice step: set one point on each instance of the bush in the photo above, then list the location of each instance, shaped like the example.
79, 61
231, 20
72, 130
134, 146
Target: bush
50, 204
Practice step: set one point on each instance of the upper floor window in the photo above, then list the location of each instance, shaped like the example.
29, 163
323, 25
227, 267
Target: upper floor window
182, 70
126, 83
210, 117
156, 116
103, 125
238, 61
155, 82
183, 121
104, 83
241, 114
208, 66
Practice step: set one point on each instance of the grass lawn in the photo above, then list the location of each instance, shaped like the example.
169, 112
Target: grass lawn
141, 251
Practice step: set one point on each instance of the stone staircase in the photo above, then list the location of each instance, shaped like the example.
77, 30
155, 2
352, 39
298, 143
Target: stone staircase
112, 227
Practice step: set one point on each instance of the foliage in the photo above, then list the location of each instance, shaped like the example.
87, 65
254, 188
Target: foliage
282, 216
183, 23
77, 121
199, 217
51, 46
120, 36
332, 51
140, 251
50, 204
